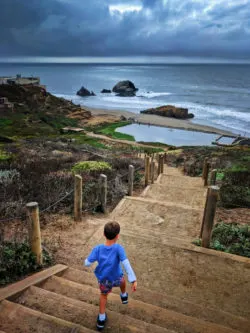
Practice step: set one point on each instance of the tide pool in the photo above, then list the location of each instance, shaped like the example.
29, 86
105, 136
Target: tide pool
170, 136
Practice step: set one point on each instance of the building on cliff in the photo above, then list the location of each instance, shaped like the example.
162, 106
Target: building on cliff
18, 79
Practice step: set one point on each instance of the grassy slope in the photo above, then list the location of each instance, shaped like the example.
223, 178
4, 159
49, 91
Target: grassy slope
110, 130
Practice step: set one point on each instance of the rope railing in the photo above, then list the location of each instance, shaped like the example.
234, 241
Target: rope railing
23, 216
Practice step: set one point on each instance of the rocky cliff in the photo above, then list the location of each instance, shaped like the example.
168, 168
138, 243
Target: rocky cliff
169, 111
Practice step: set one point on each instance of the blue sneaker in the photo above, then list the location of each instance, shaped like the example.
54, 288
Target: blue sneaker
124, 299
100, 324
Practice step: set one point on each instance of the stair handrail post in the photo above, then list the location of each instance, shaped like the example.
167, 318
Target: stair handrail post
213, 177
162, 163
78, 199
205, 163
152, 170
209, 215
103, 192
32, 209
165, 157
159, 165
147, 166
131, 175
206, 173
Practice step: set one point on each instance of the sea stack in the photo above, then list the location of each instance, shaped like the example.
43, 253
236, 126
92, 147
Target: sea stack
125, 89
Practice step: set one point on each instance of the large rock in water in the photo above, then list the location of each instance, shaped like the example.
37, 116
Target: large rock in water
169, 111
125, 89
85, 92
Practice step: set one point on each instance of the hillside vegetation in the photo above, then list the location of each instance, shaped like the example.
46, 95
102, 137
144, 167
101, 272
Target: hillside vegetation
37, 112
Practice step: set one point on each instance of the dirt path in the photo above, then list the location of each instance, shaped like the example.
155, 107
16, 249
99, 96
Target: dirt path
157, 230
132, 143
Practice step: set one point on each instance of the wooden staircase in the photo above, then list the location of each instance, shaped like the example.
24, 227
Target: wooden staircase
181, 288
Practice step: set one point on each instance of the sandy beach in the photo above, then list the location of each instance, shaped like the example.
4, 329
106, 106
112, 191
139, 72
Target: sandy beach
102, 115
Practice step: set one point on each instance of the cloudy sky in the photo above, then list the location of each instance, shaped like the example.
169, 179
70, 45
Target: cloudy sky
103, 28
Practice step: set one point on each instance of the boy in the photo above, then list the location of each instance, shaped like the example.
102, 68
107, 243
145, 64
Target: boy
109, 272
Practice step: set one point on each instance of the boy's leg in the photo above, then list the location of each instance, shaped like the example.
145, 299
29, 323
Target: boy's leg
124, 294
103, 302
123, 286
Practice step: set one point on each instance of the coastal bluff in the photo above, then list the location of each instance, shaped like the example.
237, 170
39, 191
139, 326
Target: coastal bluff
169, 111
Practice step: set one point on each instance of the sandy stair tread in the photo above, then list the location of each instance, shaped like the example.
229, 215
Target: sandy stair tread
179, 195
82, 313
216, 316
178, 220
16, 318
180, 180
172, 171
136, 309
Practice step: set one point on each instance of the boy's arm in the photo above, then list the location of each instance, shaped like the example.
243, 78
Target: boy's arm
129, 271
91, 258
126, 264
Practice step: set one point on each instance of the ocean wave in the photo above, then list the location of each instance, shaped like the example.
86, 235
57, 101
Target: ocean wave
151, 94
200, 110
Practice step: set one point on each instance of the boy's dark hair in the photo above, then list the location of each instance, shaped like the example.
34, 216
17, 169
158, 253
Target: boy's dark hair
111, 230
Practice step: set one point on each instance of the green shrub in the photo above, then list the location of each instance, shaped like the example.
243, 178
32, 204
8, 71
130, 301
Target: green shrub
231, 238
234, 196
138, 177
4, 156
220, 175
17, 260
89, 166
5, 122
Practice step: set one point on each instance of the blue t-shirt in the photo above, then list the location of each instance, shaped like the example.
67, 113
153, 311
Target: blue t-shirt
109, 259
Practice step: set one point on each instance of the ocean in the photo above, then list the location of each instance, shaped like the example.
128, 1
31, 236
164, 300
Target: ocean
218, 95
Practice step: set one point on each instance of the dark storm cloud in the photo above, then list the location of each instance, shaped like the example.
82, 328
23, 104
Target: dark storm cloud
88, 28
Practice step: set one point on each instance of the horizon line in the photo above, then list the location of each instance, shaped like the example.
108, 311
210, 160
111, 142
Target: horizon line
157, 60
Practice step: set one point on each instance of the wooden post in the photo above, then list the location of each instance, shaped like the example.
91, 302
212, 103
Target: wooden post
205, 208
78, 199
147, 170
35, 232
165, 157
209, 214
103, 192
206, 173
213, 177
162, 163
152, 170
131, 180
205, 163
159, 165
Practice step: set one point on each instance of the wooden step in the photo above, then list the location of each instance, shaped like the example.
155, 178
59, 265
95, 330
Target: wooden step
195, 197
136, 309
19, 286
82, 313
172, 171
16, 318
167, 302
191, 273
159, 218
180, 181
